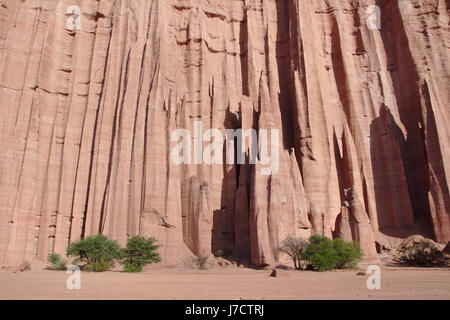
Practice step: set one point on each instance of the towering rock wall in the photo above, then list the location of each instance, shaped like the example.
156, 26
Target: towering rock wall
87, 116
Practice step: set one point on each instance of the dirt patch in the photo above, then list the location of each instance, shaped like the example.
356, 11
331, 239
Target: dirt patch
396, 283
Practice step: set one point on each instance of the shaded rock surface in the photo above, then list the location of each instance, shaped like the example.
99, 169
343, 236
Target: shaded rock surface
447, 248
87, 117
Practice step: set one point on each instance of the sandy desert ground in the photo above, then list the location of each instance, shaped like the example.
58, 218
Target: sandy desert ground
228, 284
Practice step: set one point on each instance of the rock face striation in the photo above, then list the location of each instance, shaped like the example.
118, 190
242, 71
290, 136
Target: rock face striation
92, 90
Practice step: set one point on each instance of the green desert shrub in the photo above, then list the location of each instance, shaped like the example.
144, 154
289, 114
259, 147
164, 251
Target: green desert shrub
295, 249
323, 253
423, 254
97, 252
140, 251
348, 253
320, 253
57, 263
98, 266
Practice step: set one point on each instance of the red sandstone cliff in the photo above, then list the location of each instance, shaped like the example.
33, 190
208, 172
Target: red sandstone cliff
87, 115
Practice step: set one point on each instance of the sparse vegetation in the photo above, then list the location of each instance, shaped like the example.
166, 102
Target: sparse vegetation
321, 253
25, 266
140, 251
219, 253
197, 262
97, 252
295, 249
225, 253
201, 260
422, 254
57, 263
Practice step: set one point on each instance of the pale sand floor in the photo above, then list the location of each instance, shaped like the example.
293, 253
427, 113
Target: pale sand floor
227, 284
